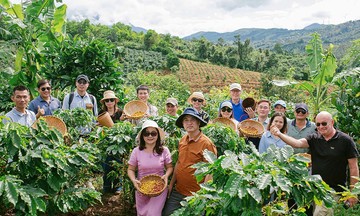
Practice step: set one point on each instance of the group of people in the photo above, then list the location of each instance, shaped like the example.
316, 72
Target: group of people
332, 151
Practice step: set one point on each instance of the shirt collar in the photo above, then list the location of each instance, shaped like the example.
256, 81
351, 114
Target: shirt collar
19, 113
308, 123
194, 140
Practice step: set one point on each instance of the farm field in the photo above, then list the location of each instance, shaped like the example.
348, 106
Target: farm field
203, 76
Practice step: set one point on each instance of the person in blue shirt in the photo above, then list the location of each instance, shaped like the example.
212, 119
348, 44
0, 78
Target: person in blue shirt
239, 113
267, 139
44, 104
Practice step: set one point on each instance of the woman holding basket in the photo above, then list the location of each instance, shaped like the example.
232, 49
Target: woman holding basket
150, 157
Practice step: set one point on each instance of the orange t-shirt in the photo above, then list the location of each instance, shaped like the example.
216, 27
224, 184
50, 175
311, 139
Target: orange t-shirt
190, 153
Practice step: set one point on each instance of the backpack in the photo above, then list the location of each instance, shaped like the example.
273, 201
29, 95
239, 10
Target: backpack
92, 98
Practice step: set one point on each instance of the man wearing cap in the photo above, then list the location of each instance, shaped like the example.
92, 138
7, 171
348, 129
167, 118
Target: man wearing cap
191, 148
332, 152
172, 107
239, 113
280, 106
301, 126
80, 98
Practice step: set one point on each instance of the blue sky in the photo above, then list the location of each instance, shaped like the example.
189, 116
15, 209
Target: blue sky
185, 17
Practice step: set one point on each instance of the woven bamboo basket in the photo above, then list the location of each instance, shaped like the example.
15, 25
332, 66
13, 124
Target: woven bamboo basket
249, 102
135, 109
148, 178
53, 122
105, 120
225, 121
251, 128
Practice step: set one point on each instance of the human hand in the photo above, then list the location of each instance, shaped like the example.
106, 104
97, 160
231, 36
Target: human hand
250, 112
352, 201
123, 117
274, 130
41, 111
136, 184
165, 178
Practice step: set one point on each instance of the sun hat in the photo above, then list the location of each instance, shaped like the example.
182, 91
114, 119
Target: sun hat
235, 86
197, 95
226, 104
172, 101
109, 95
82, 76
151, 123
189, 111
281, 103
301, 106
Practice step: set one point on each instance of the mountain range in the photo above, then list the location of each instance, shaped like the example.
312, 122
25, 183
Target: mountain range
340, 35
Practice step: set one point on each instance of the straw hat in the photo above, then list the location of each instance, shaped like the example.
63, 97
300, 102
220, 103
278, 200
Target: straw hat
198, 95
109, 95
151, 123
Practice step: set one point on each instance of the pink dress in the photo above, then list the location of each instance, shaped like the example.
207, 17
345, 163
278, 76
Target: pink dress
149, 163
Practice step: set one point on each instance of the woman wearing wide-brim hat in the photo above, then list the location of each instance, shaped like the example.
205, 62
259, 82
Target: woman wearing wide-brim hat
109, 104
197, 101
150, 158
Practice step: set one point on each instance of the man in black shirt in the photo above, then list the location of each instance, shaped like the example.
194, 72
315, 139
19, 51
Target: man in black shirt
331, 152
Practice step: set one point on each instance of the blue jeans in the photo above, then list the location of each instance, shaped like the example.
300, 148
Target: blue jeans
173, 203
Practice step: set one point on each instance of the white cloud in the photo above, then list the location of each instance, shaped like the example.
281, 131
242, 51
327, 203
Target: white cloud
186, 17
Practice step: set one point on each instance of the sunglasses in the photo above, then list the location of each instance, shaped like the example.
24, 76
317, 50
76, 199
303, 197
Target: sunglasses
322, 123
109, 100
226, 109
197, 100
83, 82
45, 88
300, 111
152, 133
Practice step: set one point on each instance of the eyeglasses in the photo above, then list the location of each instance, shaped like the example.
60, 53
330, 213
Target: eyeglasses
152, 133
45, 88
300, 111
82, 82
197, 100
226, 109
322, 123
109, 100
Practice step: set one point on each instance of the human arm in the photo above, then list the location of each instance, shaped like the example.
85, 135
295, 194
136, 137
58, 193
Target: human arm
131, 173
296, 143
40, 112
169, 170
354, 175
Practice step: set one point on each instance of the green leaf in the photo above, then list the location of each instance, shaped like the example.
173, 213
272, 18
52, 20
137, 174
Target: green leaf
242, 192
264, 181
5, 4
59, 19
281, 181
209, 156
11, 192
2, 187
255, 193
55, 181
17, 11
232, 185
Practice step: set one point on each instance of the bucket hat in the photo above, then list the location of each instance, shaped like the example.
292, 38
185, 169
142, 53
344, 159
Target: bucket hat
109, 95
198, 95
189, 111
151, 123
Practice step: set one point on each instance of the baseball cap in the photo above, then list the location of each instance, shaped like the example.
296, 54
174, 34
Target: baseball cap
82, 76
235, 86
301, 106
226, 104
281, 103
172, 101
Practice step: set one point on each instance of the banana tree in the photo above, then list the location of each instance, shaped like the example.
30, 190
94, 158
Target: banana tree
322, 69
33, 26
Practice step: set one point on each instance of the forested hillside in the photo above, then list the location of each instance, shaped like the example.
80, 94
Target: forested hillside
290, 40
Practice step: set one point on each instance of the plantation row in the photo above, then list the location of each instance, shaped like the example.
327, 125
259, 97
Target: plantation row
202, 76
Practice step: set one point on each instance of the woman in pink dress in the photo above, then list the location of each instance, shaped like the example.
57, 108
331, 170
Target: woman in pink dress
150, 157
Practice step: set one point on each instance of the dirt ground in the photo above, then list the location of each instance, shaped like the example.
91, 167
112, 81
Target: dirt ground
112, 205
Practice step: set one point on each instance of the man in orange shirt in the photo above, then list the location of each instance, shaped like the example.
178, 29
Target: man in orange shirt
191, 148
